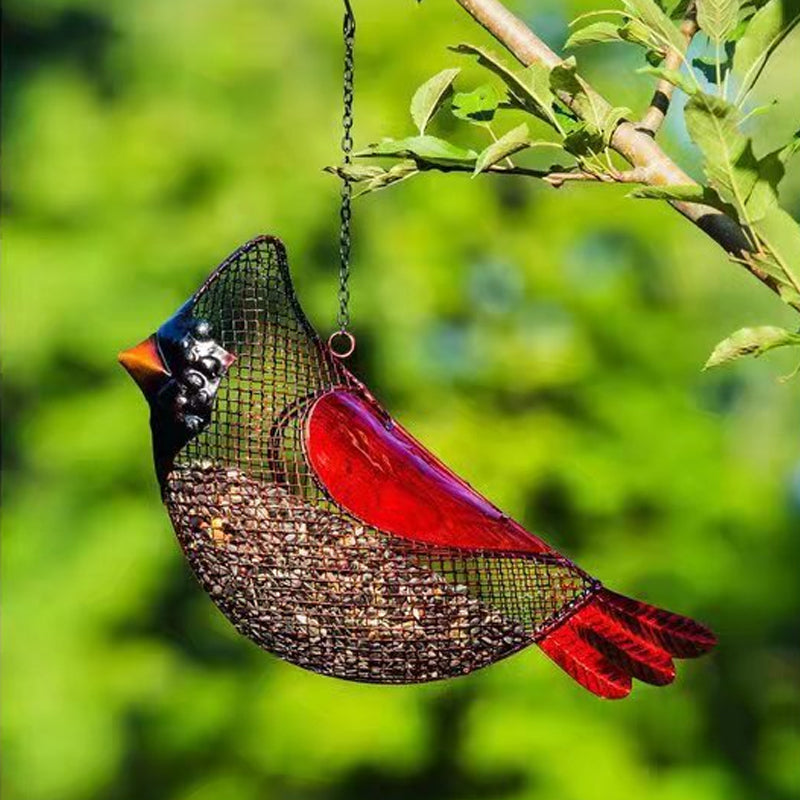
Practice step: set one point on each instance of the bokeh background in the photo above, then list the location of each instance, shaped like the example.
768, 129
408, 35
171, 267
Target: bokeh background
546, 343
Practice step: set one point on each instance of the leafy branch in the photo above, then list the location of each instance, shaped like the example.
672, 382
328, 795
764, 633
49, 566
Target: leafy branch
737, 205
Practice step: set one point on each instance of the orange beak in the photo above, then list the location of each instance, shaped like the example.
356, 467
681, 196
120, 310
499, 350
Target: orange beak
145, 365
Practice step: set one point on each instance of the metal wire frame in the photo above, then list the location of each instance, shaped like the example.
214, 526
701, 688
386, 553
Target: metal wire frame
293, 571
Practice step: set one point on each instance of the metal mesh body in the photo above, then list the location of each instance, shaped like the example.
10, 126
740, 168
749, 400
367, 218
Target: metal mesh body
293, 571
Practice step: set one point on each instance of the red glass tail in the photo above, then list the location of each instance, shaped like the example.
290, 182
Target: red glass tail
613, 639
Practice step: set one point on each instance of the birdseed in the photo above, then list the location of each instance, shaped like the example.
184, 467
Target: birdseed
315, 587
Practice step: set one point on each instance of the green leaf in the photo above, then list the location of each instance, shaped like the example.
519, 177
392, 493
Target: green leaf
492, 62
675, 10
584, 140
771, 171
759, 111
689, 193
717, 18
479, 105
355, 172
602, 12
612, 119
534, 82
564, 78
788, 150
430, 96
371, 178
764, 32
751, 342
593, 34
708, 67
729, 162
399, 172
781, 234
764, 195
426, 148
530, 87
637, 32
672, 75
512, 142
746, 12
649, 13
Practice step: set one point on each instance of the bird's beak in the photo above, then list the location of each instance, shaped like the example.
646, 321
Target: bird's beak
145, 365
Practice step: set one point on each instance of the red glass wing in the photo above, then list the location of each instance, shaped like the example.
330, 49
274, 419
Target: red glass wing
384, 477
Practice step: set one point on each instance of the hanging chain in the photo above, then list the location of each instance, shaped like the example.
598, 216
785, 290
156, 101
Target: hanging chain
343, 317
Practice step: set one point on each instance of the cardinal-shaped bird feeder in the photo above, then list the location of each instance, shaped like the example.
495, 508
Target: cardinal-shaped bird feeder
331, 537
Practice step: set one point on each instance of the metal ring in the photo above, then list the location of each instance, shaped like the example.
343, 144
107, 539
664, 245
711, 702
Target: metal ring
348, 350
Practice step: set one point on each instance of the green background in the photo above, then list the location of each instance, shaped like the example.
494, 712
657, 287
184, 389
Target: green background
547, 344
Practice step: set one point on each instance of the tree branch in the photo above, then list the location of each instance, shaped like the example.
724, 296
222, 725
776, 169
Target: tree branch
659, 105
495, 169
637, 147
556, 179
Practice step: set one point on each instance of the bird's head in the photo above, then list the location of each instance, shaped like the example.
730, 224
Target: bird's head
245, 311
178, 369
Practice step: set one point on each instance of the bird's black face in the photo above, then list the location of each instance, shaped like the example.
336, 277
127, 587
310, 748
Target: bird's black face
178, 369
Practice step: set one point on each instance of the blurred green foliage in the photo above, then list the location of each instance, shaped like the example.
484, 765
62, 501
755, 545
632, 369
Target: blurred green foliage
547, 344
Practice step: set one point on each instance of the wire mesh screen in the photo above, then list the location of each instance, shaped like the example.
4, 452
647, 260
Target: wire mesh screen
293, 571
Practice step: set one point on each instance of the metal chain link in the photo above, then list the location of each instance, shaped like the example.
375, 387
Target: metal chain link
349, 31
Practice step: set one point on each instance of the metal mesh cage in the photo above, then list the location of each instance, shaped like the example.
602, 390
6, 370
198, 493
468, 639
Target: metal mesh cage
291, 569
